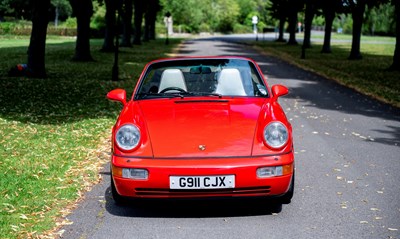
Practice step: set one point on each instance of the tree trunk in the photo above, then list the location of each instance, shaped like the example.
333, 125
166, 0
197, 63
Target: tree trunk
153, 19
292, 27
282, 21
309, 16
152, 30
396, 57
83, 10
37, 44
147, 18
127, 23
152, 8
139, 10
329, 14
358, 16
111, 8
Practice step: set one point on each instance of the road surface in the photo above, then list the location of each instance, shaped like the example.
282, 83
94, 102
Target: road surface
347, 150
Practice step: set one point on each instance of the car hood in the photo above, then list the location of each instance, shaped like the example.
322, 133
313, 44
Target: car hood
181, 128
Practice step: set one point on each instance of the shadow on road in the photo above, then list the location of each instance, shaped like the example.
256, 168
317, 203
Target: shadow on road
188, 208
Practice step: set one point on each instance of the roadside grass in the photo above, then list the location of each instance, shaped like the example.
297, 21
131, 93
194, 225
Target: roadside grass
368, 76
348, 37
54, 131
15, 41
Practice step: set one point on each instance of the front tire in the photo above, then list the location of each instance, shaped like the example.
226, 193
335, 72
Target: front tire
118, 199
287, 197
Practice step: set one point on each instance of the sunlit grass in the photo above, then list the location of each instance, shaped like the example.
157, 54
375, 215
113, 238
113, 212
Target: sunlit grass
54, 131
16, 41
348, 37
369, 75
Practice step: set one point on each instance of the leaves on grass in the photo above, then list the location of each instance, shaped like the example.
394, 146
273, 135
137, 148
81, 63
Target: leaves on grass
55, 132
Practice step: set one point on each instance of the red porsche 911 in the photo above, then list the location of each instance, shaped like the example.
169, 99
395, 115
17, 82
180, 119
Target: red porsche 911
202, 127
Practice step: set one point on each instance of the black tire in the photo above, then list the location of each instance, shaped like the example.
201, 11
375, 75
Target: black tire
287, 198
118, 199
275, 207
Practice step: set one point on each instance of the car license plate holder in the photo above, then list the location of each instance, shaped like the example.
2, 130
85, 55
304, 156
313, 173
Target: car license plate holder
202, 182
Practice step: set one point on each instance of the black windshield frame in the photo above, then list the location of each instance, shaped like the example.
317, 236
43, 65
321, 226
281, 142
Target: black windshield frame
201, 77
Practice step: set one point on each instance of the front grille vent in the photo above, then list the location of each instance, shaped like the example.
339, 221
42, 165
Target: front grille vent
155, 192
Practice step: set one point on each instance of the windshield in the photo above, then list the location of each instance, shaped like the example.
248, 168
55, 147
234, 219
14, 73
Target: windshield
202, 77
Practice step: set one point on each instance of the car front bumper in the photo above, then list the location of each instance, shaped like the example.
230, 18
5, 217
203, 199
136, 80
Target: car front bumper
157, 185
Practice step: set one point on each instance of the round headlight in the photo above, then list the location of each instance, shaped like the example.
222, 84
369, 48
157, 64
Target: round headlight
127, 137
276, 134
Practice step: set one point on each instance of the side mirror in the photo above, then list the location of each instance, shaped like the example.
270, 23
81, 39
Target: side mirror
279, 90
117, 95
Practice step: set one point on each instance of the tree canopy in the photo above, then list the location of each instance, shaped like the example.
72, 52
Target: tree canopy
361, 17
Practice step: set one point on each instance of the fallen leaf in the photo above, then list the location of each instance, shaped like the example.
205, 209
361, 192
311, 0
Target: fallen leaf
14, 228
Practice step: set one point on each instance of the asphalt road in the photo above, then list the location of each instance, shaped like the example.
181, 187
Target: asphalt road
347, 179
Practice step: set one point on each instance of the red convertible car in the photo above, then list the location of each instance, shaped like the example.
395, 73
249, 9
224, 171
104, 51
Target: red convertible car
202, 127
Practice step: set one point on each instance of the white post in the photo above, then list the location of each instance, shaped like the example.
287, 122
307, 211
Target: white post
254, 20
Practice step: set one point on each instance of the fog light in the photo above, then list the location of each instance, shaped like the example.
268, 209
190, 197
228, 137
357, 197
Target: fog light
267, 172
135, 173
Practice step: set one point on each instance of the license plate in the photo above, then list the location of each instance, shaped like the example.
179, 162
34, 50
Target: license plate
201, 182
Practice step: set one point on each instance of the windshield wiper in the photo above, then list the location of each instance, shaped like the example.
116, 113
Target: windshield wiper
159, 95
176, 94
205, 94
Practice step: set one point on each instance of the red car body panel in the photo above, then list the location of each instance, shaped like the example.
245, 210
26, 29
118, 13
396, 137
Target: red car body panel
201, 136
244, 169
183, 125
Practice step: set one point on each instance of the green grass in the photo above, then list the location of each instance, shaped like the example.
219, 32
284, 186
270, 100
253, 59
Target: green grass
54, 131
7, 41
348, 37
368, 76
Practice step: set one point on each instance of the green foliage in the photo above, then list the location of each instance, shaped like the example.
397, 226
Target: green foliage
239, 28
213, 15
228, 10
64, 8
246, 8
98, 19
16, 27
69, 23
225, 15
55, 131
185, 12
204, 27
6, 27
5, 7
379, 20
318, 21
343, 21
18, 9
